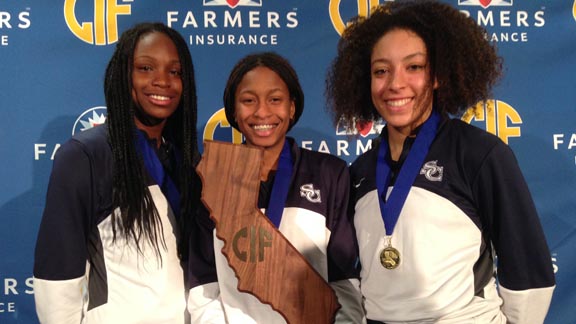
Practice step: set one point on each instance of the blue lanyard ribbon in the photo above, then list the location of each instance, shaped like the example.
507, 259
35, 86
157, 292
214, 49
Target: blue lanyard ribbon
390, 209
157, 172
280, 186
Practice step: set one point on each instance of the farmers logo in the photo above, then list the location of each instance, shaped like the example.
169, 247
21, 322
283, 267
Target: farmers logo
362, 128
239, 23
233, 3
485, 3
90, 118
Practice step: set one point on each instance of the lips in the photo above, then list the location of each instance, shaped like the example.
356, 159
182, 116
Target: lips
398, 102
264, 129
159, 100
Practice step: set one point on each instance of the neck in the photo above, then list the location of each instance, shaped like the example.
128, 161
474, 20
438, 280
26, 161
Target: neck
270, 160
397, 135
396, 140
153, 132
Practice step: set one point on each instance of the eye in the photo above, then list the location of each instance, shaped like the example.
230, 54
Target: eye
176, 72
144, 68
246, 101
416, 67
379, 71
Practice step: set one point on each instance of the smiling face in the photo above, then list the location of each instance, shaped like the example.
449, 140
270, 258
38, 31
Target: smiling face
400, 80
156, 79
263, 108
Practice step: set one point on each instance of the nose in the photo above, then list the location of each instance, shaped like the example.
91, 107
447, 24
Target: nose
397, 80
262, 109
161, 79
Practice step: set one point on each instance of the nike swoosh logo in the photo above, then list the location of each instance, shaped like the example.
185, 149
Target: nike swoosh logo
357, 185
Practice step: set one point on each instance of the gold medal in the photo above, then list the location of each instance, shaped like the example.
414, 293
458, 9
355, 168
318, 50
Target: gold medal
390, 258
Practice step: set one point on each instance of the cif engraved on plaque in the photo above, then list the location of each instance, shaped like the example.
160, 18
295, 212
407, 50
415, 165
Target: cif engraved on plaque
257, 238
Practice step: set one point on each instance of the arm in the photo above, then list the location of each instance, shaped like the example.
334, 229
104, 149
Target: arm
60, 255
204, 303
525, 273
343, 271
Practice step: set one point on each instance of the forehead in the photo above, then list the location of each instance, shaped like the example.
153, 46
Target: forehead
262, 77
397, 43
155, 43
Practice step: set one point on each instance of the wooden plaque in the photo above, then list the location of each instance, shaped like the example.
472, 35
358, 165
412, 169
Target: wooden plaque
265, 263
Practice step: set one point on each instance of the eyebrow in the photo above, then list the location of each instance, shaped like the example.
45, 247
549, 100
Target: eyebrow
409, 57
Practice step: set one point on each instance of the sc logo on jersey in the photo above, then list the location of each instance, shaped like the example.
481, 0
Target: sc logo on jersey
363, 10
218, 128
103, 29
495, 114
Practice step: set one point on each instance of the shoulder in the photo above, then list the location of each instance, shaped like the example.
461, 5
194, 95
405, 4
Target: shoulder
467, 133
90, 147
365, 164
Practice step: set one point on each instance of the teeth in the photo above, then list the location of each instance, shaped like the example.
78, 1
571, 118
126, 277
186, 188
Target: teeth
262, 127
397, 103
159, 97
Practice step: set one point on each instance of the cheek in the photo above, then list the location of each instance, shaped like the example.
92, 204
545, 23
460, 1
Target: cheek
134, 95
376, 87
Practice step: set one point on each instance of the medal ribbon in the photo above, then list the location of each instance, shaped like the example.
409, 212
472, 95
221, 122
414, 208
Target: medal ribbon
280, 186
390, 209
157, 172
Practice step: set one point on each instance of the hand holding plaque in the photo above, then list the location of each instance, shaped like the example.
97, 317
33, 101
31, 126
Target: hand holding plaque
266, 264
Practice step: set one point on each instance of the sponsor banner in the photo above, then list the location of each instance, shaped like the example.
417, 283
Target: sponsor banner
53, 57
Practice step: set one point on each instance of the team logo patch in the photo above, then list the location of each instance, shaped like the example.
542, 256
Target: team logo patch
311, 194
432, 171
89, 118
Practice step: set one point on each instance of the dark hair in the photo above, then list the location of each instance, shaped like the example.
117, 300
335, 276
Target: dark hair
275, 63
463, 62
138, 215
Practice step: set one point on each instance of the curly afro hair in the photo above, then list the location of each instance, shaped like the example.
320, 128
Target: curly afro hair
461, 59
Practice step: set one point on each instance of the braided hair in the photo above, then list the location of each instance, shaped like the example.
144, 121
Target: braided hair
137, 217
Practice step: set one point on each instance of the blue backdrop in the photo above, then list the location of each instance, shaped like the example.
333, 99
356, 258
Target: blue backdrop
53, 56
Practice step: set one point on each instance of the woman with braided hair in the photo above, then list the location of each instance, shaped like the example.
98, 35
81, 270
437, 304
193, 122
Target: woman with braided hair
112, 245
437, 203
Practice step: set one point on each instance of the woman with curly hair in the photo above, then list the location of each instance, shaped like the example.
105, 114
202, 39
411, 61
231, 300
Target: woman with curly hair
438, 204
121, 198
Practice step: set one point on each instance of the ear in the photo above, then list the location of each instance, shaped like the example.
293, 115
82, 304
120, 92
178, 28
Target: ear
436, 84
292, 110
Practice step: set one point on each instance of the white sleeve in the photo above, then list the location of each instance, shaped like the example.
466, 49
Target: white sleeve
204, 304
526, 306
350, 298
61, 301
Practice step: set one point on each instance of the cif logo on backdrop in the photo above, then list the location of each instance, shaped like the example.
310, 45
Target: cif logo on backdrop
89, 118
503, 22
363, 10
218, 128
102, 29
496, 115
